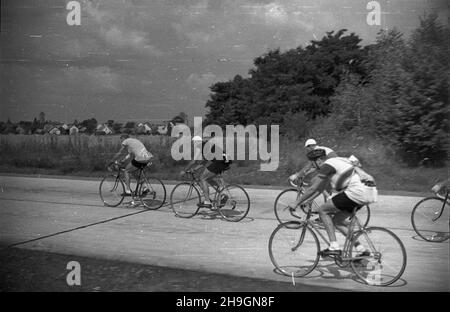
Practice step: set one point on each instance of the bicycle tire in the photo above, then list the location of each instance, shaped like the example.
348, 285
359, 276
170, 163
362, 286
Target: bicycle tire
185, 200
233, 203
280, 207
424, 223
387, 260
364, 215
291, 262
110, 190
152, 192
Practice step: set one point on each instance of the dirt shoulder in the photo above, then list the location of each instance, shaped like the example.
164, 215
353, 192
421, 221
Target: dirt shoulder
23, 270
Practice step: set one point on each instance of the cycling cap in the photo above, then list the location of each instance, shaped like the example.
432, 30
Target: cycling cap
316, 154
197, 138
310, 142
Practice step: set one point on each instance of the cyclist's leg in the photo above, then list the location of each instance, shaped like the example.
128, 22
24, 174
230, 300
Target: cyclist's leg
324, 212
340, 220
205, 176
128, 168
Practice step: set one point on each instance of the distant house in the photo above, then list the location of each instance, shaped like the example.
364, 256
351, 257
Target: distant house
48, 127
20, 130
103, 129
143, 128
55, 131
162, 130
73, 130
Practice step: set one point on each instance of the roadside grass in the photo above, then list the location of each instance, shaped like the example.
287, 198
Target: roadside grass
88, 156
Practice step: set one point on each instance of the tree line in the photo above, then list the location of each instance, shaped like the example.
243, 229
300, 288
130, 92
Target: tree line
395, 89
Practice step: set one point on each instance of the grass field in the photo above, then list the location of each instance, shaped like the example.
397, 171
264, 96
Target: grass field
88, 155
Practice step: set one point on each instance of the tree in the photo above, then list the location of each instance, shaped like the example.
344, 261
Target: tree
90, 124
42, 118
287, 83
404, 100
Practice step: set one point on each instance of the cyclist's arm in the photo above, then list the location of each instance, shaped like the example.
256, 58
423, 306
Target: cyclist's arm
302, 173
364, 175
318, 184
197, 161
120, 153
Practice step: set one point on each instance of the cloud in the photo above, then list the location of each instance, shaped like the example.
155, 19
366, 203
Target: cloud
98, 79
201, 82
117, 34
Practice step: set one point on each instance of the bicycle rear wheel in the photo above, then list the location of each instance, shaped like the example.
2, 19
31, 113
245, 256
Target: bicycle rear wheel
430, 219
185, 200
111, 189
233, 203
387, 259
152, 193
294, 249
363, 216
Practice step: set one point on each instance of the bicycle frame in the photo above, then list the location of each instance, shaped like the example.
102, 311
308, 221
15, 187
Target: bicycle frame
446, 202
348, 238
138, 179
195, 182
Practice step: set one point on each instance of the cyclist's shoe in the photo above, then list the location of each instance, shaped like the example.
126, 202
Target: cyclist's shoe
205, 205
330, 253
126, 194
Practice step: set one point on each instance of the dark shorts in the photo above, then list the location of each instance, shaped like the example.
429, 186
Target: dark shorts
342, 202
218, 167
139, 164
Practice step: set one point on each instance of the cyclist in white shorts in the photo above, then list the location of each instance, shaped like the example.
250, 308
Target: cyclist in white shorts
139, 155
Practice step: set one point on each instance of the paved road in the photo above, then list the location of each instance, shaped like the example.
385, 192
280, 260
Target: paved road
32, 207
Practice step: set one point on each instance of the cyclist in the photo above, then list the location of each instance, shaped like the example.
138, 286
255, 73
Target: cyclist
211, 168
310, 167
137, 153
441, 188
355, 189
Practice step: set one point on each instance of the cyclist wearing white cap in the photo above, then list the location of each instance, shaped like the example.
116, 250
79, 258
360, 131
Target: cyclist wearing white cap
212, 168
310, 167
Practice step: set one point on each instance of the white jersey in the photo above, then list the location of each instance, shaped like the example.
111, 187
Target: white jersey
345, 178
137, 150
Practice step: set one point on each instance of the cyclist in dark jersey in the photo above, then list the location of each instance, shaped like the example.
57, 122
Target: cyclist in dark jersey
212, 167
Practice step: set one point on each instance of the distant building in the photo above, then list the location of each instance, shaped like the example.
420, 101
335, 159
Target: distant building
143, 128
73, 130
55, 131
162, 130
103, 129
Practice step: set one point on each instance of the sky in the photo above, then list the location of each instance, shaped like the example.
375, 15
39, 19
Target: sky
152, 59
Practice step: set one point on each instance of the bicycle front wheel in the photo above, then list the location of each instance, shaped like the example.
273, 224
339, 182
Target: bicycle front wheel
384, 260
294, 249
233, 203
111, 191
430, 219
185, 200
152, 193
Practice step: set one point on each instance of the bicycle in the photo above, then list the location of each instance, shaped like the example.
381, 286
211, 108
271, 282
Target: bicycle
150, 191
430, 218
230, 200
294, 250
285, 213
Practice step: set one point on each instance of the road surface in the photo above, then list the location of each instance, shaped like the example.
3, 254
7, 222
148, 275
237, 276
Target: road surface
71, 214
